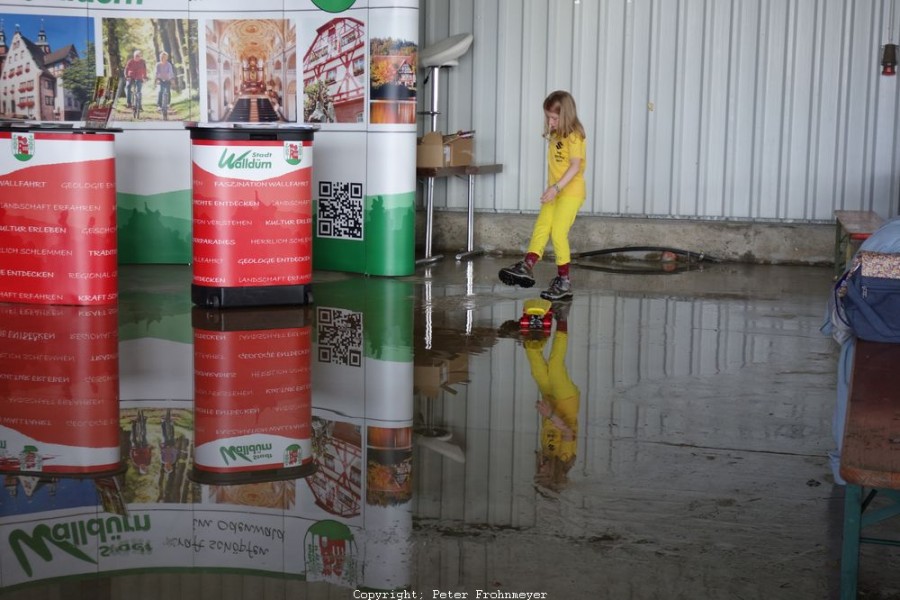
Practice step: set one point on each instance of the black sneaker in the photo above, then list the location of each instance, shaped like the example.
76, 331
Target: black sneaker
513, 330
560, 309
510, 329
560, 289
518, 274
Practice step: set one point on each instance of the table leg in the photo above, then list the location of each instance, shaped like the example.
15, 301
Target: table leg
853, 496
429, 222
838, 250
470, 223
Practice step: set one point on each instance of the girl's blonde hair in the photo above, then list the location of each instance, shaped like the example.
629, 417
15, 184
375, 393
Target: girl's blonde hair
553, 472
563, 104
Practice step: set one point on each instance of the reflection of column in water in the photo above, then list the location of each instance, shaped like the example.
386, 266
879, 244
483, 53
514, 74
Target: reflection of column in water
388, 512
362, 362
470, 291
363, 378
60, 399
252, 397
428, 309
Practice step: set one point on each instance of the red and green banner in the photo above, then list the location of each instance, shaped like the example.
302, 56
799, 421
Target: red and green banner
57, 218
252, 213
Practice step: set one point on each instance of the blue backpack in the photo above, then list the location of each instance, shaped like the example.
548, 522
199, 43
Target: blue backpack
867, 296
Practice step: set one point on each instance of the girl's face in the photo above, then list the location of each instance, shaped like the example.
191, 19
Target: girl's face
552, 120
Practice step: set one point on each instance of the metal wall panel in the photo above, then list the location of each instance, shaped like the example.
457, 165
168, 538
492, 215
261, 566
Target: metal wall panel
721, 109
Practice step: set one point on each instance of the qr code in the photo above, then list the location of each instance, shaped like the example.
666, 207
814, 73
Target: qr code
340, 336
340, 210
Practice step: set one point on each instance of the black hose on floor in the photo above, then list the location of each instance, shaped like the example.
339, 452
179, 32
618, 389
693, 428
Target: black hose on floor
628, 270
648, 267
692, 256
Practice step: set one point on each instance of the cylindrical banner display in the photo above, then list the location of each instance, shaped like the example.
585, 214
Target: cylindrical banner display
252, 216
58, 240
252, 395
59, 390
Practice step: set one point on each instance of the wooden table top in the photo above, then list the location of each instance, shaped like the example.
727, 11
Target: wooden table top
466, 170
870, 455
858, 221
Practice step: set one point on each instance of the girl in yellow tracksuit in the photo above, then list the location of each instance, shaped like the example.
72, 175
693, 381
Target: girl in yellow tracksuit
559, 405
561, 200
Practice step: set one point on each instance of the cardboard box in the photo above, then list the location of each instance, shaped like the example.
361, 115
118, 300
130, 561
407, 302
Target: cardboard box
433, 374
430, 150
437, 150
458, 149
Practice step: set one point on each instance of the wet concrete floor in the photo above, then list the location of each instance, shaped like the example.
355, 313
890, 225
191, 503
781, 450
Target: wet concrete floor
666, 438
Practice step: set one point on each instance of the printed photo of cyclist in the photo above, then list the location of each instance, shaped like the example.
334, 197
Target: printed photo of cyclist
157, 65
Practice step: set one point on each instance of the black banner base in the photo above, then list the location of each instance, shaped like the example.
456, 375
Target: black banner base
270, 295
244, 477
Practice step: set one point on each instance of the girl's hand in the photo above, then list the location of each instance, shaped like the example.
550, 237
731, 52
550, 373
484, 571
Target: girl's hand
549, 195
544, 408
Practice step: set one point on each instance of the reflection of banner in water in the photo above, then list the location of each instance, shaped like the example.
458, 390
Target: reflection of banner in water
266, 494
337, 483
331, 554
29, 494
59, 390
366, 405
159, 438
389, 466
79, 542
252, 395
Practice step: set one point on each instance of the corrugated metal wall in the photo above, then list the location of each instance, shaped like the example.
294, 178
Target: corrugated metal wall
743, 109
